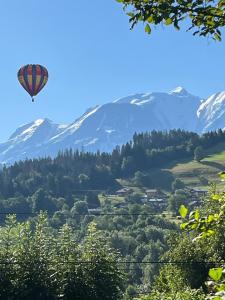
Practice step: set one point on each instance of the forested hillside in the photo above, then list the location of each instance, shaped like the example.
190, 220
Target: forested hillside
81, 190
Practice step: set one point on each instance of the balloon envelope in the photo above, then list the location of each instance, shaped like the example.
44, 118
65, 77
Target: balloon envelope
33, 78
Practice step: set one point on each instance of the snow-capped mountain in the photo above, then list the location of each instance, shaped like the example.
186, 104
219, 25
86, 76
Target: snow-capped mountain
28, 139
211, 113
105, 126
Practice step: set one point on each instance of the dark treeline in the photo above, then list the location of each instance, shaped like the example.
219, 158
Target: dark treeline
72, 171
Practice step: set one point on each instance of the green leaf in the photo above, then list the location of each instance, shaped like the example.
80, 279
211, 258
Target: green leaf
183, 211
183, 225
222, 175
216, 197
210, 232
197, 215
150, 19
220, 287
217, 37
168, 21
221, 4
211, 218
216, 273
148, 29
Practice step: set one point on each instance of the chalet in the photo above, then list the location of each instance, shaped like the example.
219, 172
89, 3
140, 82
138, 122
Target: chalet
124, 192
158, 202
197, 193
152, 193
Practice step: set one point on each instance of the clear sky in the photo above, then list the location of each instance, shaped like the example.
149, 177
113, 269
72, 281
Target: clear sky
94, 58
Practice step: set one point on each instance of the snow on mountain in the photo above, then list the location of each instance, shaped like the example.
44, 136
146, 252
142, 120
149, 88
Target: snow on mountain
211, 112
180, 91
28, 140
103, 127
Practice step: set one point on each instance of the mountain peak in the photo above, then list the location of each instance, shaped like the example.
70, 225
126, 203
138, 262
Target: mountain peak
39, 122
180, 91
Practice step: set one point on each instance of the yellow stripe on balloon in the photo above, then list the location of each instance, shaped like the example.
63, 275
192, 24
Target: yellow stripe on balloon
29, 78
38, 80
22, 81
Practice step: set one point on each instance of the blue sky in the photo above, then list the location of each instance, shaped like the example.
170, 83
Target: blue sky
94, 58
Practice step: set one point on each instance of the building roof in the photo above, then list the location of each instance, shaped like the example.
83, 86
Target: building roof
156, 200
124, 190
200, 190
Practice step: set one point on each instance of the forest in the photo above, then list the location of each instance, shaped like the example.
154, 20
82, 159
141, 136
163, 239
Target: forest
64, 235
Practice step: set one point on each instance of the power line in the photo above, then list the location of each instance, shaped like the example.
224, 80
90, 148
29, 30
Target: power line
117, 262
96, 214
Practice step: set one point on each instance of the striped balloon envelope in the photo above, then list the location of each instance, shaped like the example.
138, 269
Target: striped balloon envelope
33, 78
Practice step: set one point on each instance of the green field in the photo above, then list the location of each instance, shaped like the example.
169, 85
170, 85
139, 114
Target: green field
193, 173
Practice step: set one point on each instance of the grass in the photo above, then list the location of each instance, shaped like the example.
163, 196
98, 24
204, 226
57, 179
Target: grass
192, 172
114, 199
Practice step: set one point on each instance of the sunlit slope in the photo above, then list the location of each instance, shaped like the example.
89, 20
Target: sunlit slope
196, 173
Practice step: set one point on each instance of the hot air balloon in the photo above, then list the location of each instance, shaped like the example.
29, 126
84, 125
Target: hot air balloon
33, 78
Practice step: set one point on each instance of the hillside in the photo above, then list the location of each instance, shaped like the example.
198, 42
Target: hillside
76, 188
193, 173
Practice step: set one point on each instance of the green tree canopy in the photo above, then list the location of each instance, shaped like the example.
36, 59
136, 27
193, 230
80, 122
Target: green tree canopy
198, 154
205, 17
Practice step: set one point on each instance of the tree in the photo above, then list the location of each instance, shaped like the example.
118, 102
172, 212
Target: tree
80, 207
140, 179
176, 200
42, 201
194, 254
38, 263
198, 154
128, 165
205, 17
92, 200
177, 184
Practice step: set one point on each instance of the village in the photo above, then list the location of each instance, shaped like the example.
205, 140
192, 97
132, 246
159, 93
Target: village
154, 198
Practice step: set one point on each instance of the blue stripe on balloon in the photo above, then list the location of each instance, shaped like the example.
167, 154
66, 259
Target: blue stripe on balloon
34, 79
25, 75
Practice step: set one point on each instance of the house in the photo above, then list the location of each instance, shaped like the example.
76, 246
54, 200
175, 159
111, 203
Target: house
197, 193
152, 193
124, 192
158, 202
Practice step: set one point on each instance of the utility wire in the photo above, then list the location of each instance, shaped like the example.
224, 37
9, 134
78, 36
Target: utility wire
96, 214
119, 262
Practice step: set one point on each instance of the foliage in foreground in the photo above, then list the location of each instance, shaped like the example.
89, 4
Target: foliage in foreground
197, 255
205, 17
37, 263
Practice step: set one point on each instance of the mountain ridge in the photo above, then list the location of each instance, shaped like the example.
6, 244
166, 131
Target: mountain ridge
105, 126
